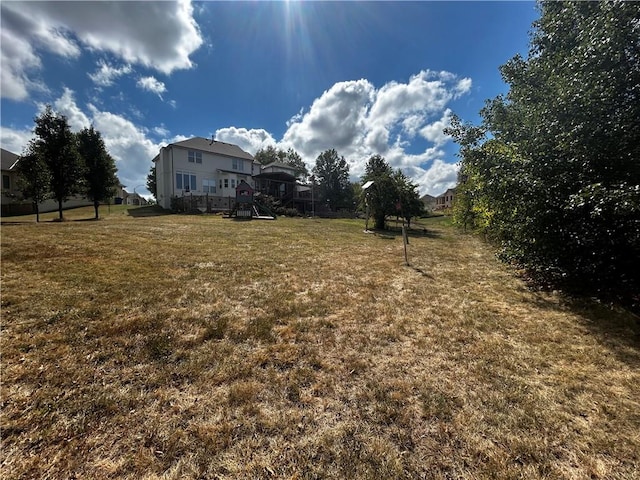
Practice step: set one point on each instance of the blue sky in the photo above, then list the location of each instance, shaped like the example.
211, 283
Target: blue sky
361, 77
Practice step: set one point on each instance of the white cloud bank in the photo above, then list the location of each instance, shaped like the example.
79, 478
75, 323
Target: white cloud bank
359, 121
157, 35
353, 117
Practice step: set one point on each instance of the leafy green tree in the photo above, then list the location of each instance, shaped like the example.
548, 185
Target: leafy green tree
381, 197
34, 178
100, 178
408, 203
56, 145
332, 175
558, 183
152, 184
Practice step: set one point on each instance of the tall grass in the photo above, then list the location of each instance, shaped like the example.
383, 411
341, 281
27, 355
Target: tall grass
199, 347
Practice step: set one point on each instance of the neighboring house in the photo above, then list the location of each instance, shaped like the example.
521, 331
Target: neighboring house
12, 201
133, 198
9, 161
205, 170
429, 202
279, 181
446, 200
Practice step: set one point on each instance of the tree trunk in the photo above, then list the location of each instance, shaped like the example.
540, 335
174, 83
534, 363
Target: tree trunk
60, 209
37, 212
96, 205
379, 222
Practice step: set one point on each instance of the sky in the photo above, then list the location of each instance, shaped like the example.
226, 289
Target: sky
363, 78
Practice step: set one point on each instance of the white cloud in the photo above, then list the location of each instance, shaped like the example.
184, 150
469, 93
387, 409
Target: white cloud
335, 120
250, 140
359, 121
434, 132
15, 140
158, 35
151, 84
106, 74
66, 105
437, 178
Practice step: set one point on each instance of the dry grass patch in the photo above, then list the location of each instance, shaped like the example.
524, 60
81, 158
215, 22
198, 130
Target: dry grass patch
198, 347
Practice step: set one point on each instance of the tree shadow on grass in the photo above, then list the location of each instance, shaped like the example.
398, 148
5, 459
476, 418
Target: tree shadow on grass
617, 328
148, 211
394, 232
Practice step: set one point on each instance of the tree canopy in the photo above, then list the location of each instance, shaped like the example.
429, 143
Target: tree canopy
100, 170
34, 177
56, 146
392, 193
331, 173
552, 174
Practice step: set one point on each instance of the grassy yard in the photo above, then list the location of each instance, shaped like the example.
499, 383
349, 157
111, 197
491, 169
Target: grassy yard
199, 347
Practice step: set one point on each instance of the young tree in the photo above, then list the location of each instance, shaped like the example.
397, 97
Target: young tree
152, 184
34, 177
332, 175
56, 145
100, 170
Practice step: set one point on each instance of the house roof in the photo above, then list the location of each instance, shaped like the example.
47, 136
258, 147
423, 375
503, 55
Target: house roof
427, 198
278, 165
449, 190
220, 148
9, 159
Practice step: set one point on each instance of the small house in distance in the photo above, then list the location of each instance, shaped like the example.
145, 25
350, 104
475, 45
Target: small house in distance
445, 201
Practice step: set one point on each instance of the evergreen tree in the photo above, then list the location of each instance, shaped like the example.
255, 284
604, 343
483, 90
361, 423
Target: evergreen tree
152, 184
332, 175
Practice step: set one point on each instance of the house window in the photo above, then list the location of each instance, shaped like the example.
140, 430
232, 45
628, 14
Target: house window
237, 164
186, 181
233, 183
6, 182
208, 185
220, 184
195, 157
226, 183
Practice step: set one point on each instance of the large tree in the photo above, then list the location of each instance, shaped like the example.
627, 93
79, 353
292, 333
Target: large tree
557, 183
100, 178
331, 173
381, 197
56, 145
34, 178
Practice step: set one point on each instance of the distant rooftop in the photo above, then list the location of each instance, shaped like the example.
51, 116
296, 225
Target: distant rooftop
213, 146
9, 159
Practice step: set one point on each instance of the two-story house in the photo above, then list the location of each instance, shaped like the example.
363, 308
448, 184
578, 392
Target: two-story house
445, 200
204, 169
